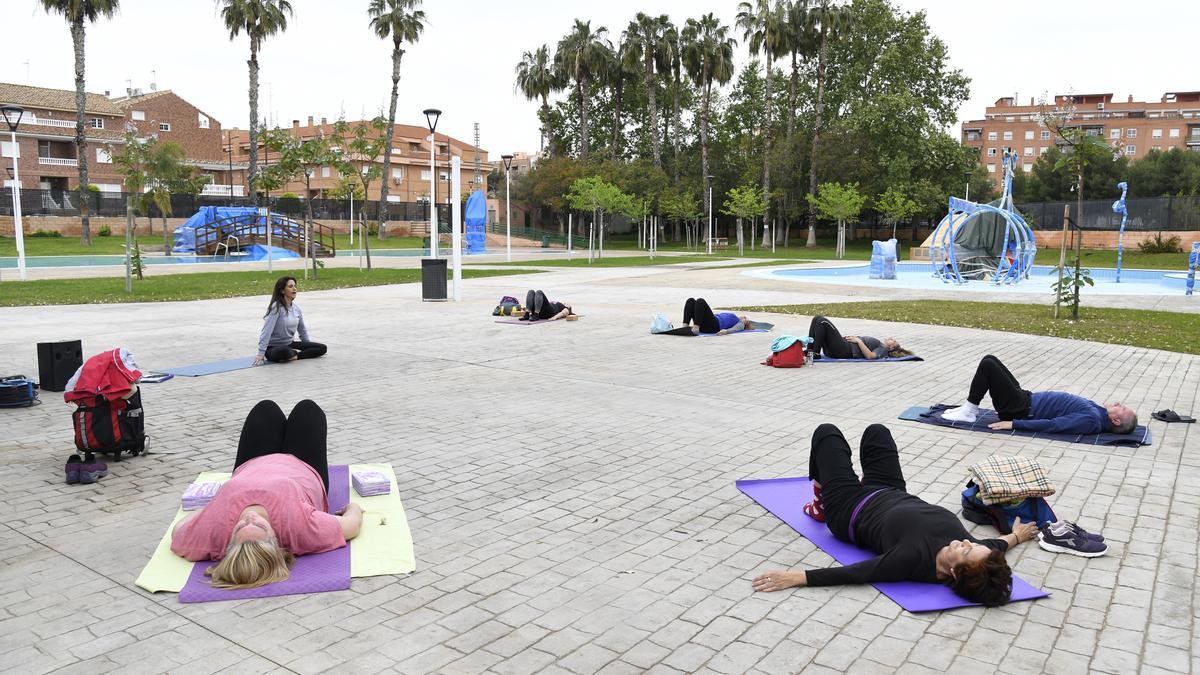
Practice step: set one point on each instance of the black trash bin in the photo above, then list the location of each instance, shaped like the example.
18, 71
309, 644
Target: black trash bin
433, 279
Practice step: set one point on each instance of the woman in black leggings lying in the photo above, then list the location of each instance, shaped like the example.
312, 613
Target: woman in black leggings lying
721, 323
915, 540
829, 341
540, 308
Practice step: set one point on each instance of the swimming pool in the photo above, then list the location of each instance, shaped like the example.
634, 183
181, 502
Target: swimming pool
919, 275
10, 262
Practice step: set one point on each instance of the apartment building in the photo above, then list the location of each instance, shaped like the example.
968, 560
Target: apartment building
170, 117
1133, 128
410, 172
47, 154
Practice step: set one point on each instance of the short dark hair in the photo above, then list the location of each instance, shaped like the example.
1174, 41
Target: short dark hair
988, 582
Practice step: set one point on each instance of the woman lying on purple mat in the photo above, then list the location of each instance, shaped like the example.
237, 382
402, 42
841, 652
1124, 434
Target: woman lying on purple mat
274, 508
915, 540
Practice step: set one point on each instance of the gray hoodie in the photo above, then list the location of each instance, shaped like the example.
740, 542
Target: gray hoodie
280, 327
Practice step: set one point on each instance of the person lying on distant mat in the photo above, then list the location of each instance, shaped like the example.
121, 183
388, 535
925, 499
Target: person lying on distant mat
915, 540
707, 322
828, 341
274, 508
281, 323
1044, 411
540, 308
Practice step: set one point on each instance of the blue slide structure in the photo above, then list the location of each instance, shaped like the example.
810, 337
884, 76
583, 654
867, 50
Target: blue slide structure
988, 242
475, 221
1119, 207
246, 219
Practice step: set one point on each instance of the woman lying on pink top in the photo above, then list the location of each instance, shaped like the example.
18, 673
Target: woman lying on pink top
274, 508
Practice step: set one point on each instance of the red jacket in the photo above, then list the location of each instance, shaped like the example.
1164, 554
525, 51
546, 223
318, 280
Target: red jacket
110, 374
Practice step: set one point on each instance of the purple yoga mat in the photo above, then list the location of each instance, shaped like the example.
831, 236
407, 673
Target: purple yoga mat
313, 573
785, 498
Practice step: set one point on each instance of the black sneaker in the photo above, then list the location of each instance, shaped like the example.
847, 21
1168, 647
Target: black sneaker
1076, 529
1070, 542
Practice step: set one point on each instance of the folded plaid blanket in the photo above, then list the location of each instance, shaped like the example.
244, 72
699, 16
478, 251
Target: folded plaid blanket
1004, 479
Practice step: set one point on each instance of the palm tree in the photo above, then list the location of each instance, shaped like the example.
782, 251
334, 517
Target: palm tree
799, 40
615, 75
259, 19
762, 26
708, 58
671, 60
79, 13
581, 57
402, 22
643, 42
536, 79
831, 21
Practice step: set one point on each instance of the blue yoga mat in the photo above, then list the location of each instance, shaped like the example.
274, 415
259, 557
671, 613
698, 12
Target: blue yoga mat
933, 415
213, 368
910, 357
785, 497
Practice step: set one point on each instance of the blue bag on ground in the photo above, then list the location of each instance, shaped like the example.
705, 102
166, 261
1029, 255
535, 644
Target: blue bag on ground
1001, 516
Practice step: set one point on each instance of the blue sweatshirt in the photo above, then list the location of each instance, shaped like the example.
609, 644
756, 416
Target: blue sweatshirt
727, 320
1062, 413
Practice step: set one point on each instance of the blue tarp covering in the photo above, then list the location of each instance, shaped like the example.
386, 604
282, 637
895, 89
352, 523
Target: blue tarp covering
476, 222
185, 237
259, 252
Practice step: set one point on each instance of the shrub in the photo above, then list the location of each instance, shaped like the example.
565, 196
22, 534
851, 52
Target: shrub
1160, 245
105, 231
49, 234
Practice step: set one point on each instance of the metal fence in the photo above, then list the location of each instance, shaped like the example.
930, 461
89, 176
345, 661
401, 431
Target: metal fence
1146, 214
112, 205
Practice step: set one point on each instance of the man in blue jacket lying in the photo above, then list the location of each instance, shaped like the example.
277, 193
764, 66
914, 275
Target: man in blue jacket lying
1044, 411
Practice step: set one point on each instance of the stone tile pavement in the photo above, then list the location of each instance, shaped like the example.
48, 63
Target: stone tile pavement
570, 488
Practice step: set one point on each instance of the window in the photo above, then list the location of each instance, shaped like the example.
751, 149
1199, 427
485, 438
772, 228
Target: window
991, 168
103, 156
425, 175
442, 175
96, 123
1008, 135
1174, 133
398, 174
6, 149
203, 120
991, 135
1156, 133
1042, 150
1028, 152
1131, 133
138, 116
1029, 135
1027, 167
1156, 148
1114, 133
1130, 149
324, 172
365, 169
1045, 135
164, 126
991, 152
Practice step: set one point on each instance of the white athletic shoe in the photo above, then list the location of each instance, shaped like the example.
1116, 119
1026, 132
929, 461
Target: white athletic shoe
964, 413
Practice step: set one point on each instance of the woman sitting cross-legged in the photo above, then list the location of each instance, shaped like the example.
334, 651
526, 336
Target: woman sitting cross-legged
281, 324
914, 540
275, 506
828, 340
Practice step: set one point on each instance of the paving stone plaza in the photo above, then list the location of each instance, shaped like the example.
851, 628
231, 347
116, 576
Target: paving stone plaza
570, 489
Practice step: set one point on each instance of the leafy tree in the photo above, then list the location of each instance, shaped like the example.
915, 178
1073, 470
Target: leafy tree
78, 14
581, 57
299, 160
167, 173
799, 40
746, 201
763, 25
644, 44
708, 58
839, 202
830, 21
615, 74
401, 21
598, 196
670, 60
259, 20
896, 206
353, 152
536, 79
680, 205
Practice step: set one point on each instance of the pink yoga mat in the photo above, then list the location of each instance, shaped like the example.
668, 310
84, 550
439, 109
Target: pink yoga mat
313, 573
785, 498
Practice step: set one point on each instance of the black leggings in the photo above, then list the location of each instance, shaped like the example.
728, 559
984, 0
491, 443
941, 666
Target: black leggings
841, 491
1010, 400
302, 434
541, 307
301, 349
828, 340
697, 309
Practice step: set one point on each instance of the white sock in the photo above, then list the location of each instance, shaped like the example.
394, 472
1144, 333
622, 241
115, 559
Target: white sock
967, 412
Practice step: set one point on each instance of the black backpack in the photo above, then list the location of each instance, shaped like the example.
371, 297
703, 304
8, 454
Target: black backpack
110, 427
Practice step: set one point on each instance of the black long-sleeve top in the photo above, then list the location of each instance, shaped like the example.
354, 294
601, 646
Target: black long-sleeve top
907, 533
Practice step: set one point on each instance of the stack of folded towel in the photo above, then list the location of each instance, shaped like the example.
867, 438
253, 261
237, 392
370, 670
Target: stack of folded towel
370, 483
198, 495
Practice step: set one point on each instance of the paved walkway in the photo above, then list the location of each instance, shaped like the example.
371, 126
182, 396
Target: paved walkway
570, 488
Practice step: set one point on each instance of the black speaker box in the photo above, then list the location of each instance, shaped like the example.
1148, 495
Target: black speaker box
57, 362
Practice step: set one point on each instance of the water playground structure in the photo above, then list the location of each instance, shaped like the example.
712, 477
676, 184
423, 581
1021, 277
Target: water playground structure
985, 242
244, 233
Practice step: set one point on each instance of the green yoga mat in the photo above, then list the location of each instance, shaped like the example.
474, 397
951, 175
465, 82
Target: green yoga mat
383, 546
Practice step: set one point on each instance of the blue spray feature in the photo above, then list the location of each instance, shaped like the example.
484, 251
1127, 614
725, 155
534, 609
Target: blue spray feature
1119, 207
1017, 250
1193, 263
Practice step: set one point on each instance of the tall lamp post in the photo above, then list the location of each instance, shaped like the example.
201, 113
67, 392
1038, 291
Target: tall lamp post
230, 151
967, 173
507, 207
431, 119
710, 223
12, 116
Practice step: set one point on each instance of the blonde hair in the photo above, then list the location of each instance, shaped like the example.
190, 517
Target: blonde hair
250, 564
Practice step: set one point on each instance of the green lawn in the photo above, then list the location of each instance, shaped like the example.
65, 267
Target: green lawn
115, 245
343, 242
581, 260
201, 285
1170, 331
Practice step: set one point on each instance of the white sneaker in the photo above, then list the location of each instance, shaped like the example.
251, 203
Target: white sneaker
963, 413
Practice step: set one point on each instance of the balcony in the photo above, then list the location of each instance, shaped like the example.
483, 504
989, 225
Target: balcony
58, 161
49, 122
222, 190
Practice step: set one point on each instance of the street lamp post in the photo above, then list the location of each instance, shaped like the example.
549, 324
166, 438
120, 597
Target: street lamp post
230, 151
12, 115
431, 119
710, 222
507, 207
967, 173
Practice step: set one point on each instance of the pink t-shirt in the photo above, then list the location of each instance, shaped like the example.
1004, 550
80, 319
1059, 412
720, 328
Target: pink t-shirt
290, 491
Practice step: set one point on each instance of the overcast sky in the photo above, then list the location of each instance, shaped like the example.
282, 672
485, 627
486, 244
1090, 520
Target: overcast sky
328, 62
